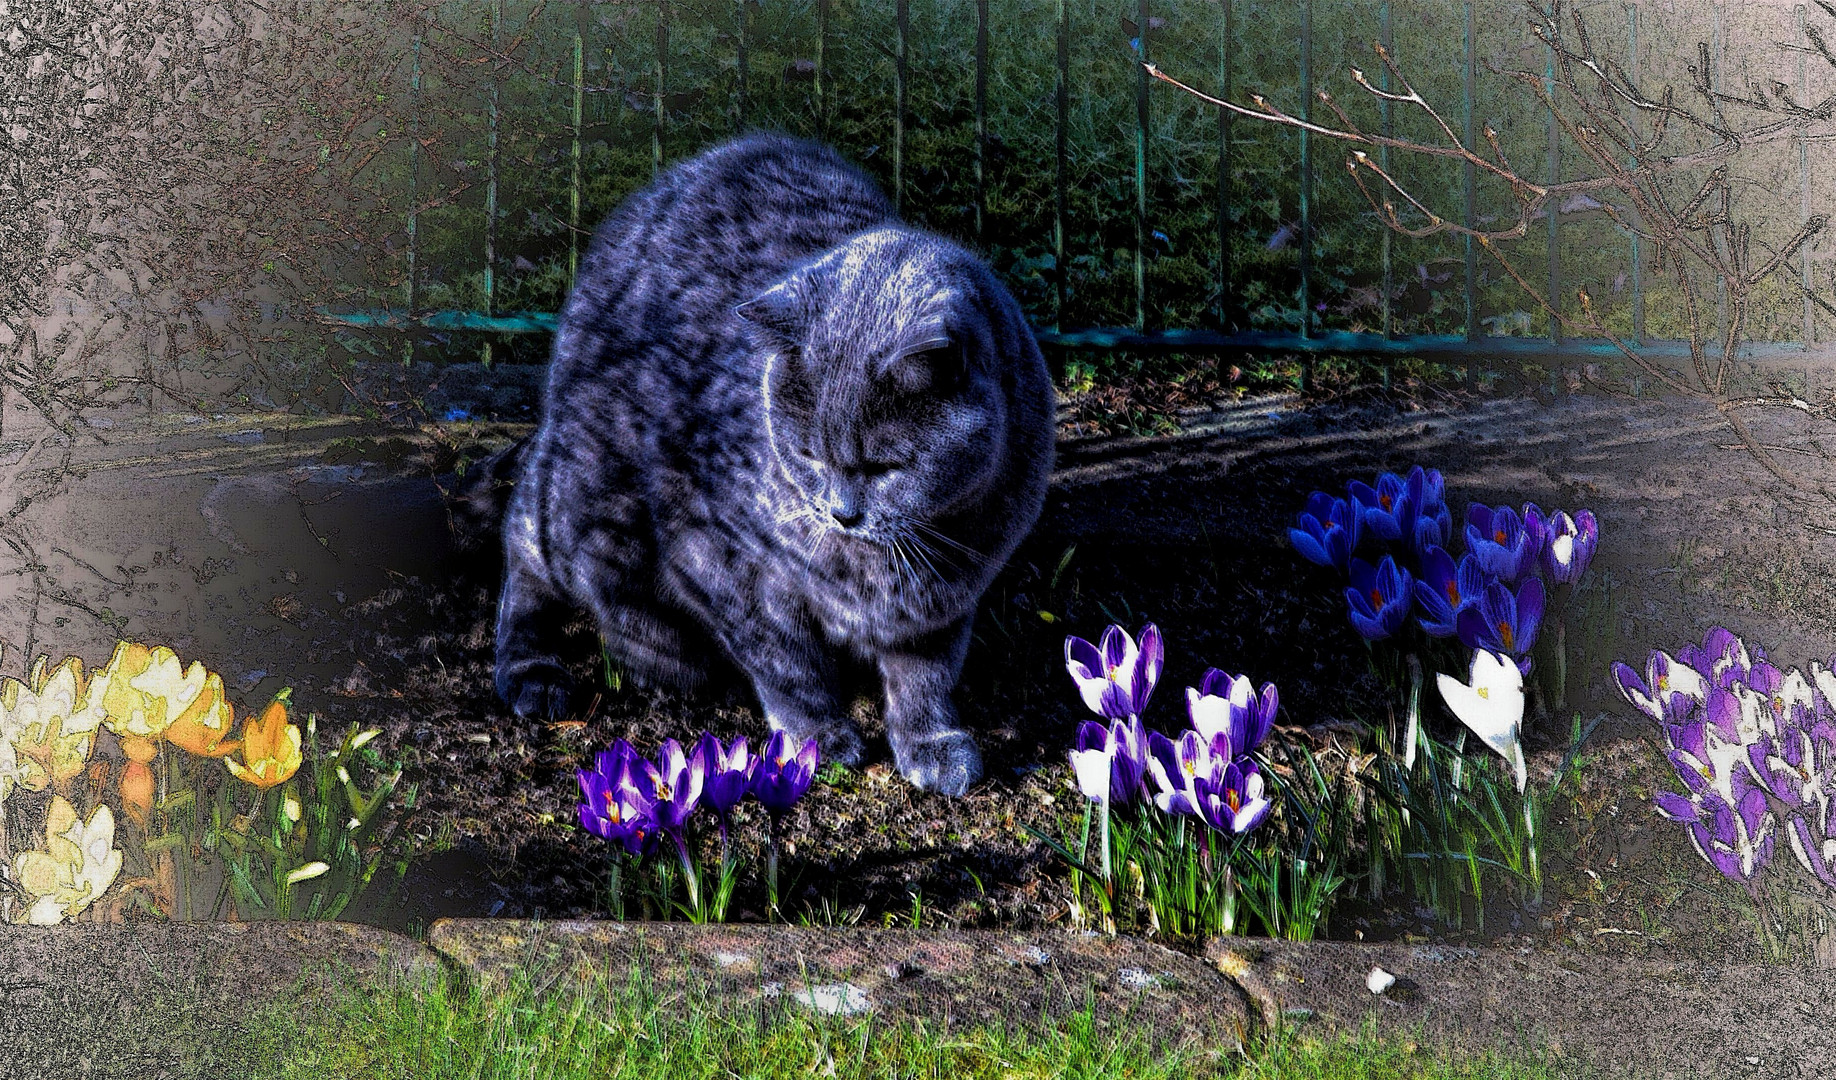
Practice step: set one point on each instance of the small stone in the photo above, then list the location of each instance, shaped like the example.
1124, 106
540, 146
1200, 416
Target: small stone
1379, 980
731, 959
1136, 979
835, 999
1038, 956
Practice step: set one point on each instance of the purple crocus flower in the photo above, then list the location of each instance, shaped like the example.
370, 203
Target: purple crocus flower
1379, 598
1572, 541
1177, 767
784, 772
1229, 708
1497, 538
1328, 531
1501, 622
1536, 526
675, 781
1445, 588
1117, 678
1233, 803
1124, 746
616, 807
729, 775
1391, 508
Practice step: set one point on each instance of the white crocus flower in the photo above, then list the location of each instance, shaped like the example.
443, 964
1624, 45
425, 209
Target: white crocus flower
1492, 705
1093, 771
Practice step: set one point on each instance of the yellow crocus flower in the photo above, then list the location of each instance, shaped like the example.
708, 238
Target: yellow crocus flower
76, 867
203, 726
270, 747
51, 722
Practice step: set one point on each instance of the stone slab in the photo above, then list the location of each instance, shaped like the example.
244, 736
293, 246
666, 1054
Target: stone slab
139, 1001
1627, 1017
937, 978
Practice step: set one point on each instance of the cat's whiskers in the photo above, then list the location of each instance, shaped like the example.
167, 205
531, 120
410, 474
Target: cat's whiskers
924, 552
933, 531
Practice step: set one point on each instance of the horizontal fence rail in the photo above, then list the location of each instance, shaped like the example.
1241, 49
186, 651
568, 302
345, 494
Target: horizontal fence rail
1219, 239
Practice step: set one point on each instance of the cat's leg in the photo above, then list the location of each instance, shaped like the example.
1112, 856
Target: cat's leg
530, 613
529, 675
797, 681
929, 748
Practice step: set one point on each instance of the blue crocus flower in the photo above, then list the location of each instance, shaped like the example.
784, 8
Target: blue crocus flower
1379, 598
1496, 536
1445, 588
1502, 622
1328, 531
1390, 509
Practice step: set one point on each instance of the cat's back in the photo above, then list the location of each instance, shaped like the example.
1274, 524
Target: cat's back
665, 270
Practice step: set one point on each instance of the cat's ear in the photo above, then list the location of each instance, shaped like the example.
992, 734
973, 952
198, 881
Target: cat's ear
934, 365
779, 309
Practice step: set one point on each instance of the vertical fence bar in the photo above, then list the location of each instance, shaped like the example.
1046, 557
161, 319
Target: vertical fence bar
1553, 175
414, 195
660, 73
739, 63
573, 190
822, 67
1306, 189
981, 116
1804, 197
902, 26
1141, 133
490, 269
1469, 183
1224, 115
1388, 118
1638, 251
1062, 99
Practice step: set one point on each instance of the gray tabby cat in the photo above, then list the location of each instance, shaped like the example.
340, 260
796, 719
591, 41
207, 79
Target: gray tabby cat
781, 424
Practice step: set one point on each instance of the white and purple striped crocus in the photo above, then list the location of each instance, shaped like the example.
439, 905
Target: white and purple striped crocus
1117, 677
1177, 766
1111, 762
1572, 541
1233, 802
1228, 706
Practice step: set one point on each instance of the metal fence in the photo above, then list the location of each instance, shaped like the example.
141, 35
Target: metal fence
1238, 255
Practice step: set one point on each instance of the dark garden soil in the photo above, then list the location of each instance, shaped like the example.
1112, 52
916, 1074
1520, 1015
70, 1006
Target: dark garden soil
1187, 530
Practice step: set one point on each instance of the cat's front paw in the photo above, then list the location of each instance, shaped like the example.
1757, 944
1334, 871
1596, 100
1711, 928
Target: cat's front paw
946, 763
536, 690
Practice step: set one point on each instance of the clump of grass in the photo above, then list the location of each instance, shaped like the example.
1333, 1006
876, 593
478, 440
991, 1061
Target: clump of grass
608, 1029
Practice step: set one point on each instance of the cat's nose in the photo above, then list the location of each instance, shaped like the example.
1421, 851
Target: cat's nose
847, 516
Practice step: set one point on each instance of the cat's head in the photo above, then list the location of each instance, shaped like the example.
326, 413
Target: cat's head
884, 386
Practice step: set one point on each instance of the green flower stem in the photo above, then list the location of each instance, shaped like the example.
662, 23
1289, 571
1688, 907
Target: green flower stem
771, 871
